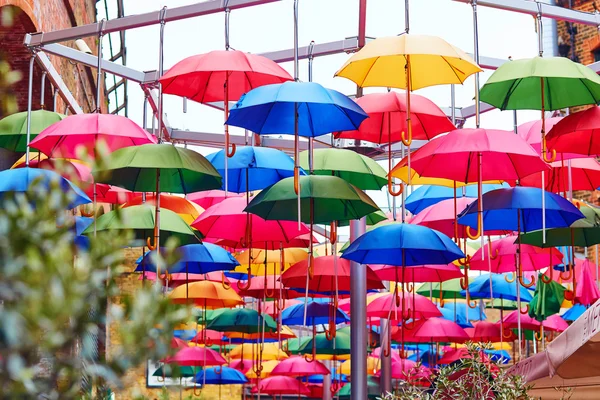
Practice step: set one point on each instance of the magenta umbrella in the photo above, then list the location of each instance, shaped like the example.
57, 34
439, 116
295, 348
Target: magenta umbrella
299, 366
420, 273
209, 198
555, 323
196, 357
586, 291
280, 384
531, 132
441, 330
86, 131
393, 355
390, 306
402, 368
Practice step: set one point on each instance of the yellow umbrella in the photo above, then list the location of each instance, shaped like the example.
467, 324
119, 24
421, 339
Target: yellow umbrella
286, 333
273, 260
267, 368
186, 209
32, 156
270, 351
207, 294
372, 366
407, 62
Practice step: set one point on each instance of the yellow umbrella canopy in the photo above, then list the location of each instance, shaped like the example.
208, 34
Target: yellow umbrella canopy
206, 294
267, 368
432, 61
273, 260
286, 333
372, 366
270, 351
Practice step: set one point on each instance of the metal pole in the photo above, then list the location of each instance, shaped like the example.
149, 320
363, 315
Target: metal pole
163, 12
29, 101
476, 56
54, 99
358, 310
406, 17
386, 361
42, 91
99, 70
453, 104
311, 144
296, 135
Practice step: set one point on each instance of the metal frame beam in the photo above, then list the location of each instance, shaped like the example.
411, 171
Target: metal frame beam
548, 11
348, 45
152, 95
138, 21
58, 82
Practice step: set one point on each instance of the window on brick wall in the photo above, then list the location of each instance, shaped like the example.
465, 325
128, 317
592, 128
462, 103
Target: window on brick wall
596, 54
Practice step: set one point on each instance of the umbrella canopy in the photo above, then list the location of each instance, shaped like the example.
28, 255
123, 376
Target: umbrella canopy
387, 118
371, 219
373, 390
586, 291
253, 168
220, 376
208, 337
555, 323
258, 260
140, 219
270, 351
419, 273
479, 288
267, 288
584, 175
208, 198
324, 275
196, 357
166, 371
206, 294
280, 384
340, 344
460, 318
357, 169
137, 168
201, 77
484, 331
333, 199
440, 330
383, 63
576, 133
403, 245
111, 194
227, 221
428, 195
447, 290
373, 365
511, 321
547, 299
195, 259
464, 312
86, 131
21, 180
75, 171
13, 128
503, 257
387, 305
455, 156
298, 366
242, 320
265, 368
270, 110
574, 312
316, 313
517, 85
186, 209
509, 208
531, 132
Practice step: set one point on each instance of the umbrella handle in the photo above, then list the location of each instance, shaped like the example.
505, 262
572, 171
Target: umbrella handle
410, 287
387, 350
334, 387
311, 266
330, 334
464, 282
538, 334
569, 274
547, 279
409, 326
162, 377
493, 254
149, 244
510, 280
219, 370
464, 261
525, 284
569, 295
198, 393
391, 187
297, 180
479, 231
442, 301
246, 286
309, 358
544, 153
225, 285
85, 213
506, 333
227, 144
406, 140
332, 232
525, 310
468, 298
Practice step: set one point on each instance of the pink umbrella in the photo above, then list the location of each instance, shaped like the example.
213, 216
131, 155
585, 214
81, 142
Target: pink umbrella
65, 138
555, 323
531, 132
586, 291
391, 305
210, 197
511, 321
394, 356
484, 331
298, 366
585, 175
503, 257
196, 357
111, 194
421, 273
442, 217
75, 171
177, 343
440, 330
209, 337
402, 368
280, 384
241, 364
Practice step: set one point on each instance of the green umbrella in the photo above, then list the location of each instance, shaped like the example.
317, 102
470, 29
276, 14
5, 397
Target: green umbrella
243, 320
140, 219
337, 346
449, 289
333, 199
501, 304
373, 390
180, 170
13, 129
294, 345
166, 371
547, 299
372, 219
354, 168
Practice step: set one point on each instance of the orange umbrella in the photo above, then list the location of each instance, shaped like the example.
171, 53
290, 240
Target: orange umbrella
207, 294
186, 209
270, 351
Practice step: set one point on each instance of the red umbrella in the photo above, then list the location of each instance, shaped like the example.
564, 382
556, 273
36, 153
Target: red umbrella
64, 138
210, 197
387, 121
421, 273
585, 175
484, 331
280, 384
111, 194
298, 366
324, 278
511, 321
577, 133
271, 288
196, 357
177, 343
241, 365
392, 305
440, 330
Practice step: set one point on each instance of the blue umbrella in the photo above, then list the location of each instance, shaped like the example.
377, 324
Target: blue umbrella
460, 319
479, 288
500, 356
574, 312
269, 109
194, 259
21, 179
316, 313
428, 195
253, 168
220, 376
501, 207
334, 376
403, 245
460, 309
81, 223
428, 358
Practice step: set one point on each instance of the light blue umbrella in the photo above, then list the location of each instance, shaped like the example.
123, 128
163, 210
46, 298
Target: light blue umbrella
220, 376
194, 259
428, 195
479, 288
574, 312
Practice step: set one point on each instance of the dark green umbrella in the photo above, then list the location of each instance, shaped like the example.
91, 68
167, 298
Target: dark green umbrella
166, 371
501, 304
361, 171
13, 129
294, 345
547, 299
179, 170
243, 320
140, 219
324, 346
372, 219
373, 390
448, 290
539, 83
333, 199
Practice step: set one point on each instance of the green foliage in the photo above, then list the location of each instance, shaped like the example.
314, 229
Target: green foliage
54, 300
470, 378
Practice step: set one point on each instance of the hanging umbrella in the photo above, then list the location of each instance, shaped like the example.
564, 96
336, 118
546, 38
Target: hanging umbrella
166, 371
574, 312
357, 169
530, 131
284, 333
208, 338
258, 260
111, 194
271, 351
73, 170
242, 320
280, 385
86, 131
187, 210
502, 289
446, 290
373, 390
576, 133
339, 345
484, 331
195, 259
208, 198
373, 366
263, 368
196, 357
461, 312
21, 181
460, 319
298, 366
440, 330
206, 294
267, 288
386, 306
13, 128
586, 288
220, 376
253, 168
514, 318
542, 84
420, 273
317, 313
578, 174
140, 219
428, 195
177, 343
547, 299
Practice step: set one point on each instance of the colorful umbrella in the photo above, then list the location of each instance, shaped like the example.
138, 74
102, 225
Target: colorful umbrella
483, 286
196, 357
208, 198
574, 312
484, 331
13, 128
419, 273
258, 261
578, 174
339, 345
186, 209
242, 320
530, 131
220, 376
166, 371
373, 365
270, 351
261, 370
446, 290
206, 294
373, 390
428, 195
299, 366
440, 330
317, 313
279, 384
387, 306
547, 299
195, 259
576, 133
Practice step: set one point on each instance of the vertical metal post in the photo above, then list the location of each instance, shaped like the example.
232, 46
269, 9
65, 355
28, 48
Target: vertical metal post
43, 90
99, 69
406, 17
163, 12
453, 104
358, 310
54, 99
386, 360
29, 101
476, 56
311, 144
